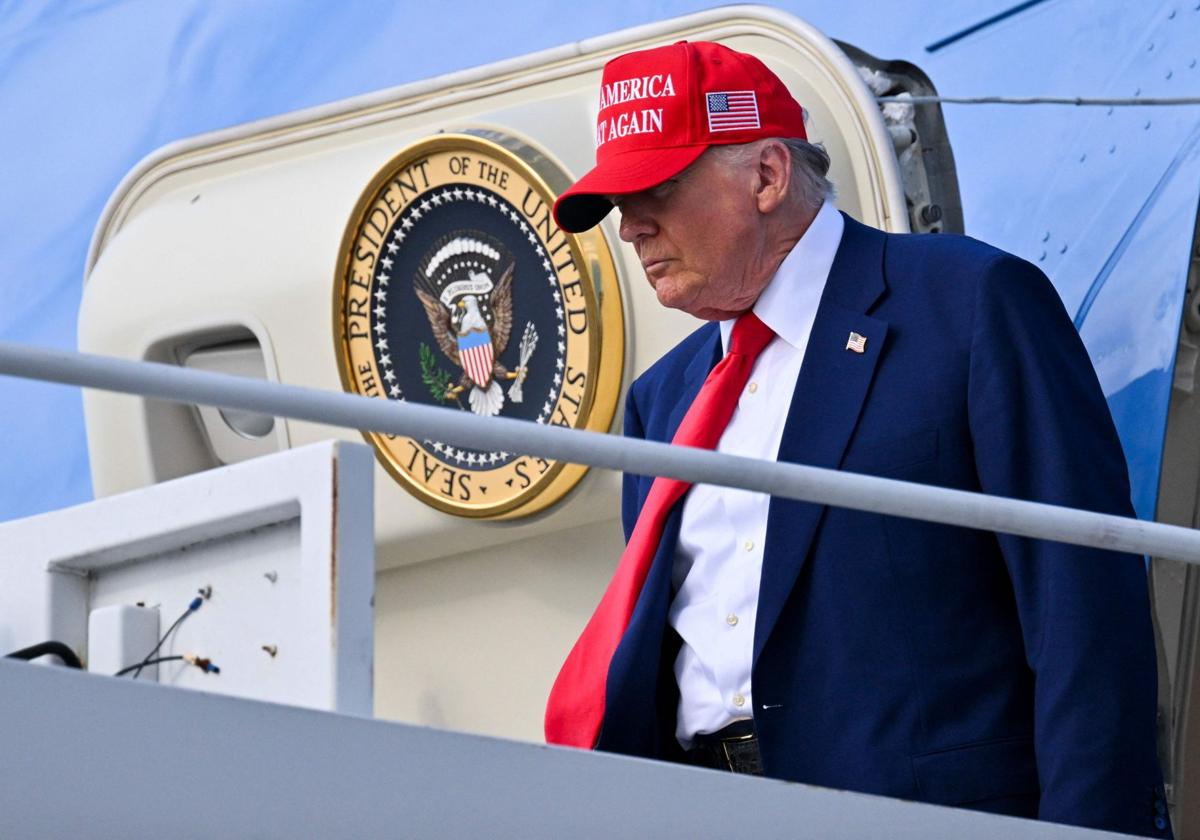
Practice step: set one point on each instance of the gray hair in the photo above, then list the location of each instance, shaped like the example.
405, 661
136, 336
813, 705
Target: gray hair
810, 166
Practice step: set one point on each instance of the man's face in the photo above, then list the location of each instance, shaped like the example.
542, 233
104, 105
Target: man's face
699, 238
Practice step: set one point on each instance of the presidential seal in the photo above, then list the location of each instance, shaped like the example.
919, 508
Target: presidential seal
456, 288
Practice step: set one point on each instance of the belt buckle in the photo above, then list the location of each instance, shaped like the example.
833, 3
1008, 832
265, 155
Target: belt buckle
725, 742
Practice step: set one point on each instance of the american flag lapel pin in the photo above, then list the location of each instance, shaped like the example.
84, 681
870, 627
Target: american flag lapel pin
856, 343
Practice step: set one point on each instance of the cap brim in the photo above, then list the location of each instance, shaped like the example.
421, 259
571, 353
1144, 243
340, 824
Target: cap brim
586, 203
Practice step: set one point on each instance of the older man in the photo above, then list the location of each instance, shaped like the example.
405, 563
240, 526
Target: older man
824, 645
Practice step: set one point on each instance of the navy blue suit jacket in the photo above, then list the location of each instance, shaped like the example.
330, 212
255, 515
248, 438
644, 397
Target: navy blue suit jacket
906, 658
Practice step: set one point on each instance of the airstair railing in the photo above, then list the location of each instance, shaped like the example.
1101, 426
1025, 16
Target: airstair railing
597, 449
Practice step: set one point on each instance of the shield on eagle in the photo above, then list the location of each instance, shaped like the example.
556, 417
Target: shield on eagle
475, 350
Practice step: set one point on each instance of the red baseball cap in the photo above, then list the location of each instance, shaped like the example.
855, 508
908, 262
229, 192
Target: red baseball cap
661, 108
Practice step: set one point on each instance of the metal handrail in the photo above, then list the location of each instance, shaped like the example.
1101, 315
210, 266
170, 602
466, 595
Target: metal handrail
793, 481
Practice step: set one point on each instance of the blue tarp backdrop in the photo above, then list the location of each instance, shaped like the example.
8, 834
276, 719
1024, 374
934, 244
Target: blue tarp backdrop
1103, 200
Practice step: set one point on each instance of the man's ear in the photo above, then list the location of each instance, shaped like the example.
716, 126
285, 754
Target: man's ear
774, 175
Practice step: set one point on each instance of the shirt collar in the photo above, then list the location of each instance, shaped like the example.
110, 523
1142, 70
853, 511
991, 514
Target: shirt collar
788, 305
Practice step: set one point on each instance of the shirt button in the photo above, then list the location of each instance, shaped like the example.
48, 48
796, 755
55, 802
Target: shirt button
752, 387
739, 700
748, 545
731, 620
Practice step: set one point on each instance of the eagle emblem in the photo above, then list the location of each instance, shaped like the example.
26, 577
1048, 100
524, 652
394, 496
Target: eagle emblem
464, 284
456, 288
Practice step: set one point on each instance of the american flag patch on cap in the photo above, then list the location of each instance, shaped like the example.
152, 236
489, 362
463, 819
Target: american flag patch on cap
731, 110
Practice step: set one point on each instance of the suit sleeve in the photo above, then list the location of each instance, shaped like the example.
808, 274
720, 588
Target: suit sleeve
1042, 431
630, 501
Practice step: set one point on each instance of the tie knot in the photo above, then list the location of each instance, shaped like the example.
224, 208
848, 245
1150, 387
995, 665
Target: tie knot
750, 335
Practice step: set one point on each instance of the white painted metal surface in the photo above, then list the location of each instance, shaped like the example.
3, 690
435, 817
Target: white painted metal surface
121, 635
196, 765
282, 545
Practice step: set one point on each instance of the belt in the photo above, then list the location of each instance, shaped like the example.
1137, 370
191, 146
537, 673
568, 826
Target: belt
734, 749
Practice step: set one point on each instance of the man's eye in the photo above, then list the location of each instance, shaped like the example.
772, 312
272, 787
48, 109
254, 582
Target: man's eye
664, 188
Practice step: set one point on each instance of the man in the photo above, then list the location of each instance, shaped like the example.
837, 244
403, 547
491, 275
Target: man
825, 645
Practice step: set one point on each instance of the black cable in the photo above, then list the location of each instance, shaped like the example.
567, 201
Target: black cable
192, 607
45, 648
201, 662
147, 663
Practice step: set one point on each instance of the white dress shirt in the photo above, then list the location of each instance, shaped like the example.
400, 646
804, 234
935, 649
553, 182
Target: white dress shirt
718, 561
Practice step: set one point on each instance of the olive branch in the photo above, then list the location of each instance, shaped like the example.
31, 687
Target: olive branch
436, 379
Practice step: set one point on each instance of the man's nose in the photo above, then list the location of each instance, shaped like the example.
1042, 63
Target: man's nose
635, 223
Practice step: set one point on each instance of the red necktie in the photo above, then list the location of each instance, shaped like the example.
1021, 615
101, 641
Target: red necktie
576, 706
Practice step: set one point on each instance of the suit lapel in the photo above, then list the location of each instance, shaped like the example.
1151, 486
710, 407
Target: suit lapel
631, 724
693, 377
827, 402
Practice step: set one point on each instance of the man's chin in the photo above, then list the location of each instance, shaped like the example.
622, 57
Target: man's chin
670, 296
686, 304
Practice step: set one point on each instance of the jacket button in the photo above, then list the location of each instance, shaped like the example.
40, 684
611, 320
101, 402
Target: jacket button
1160, 823
1160, 806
